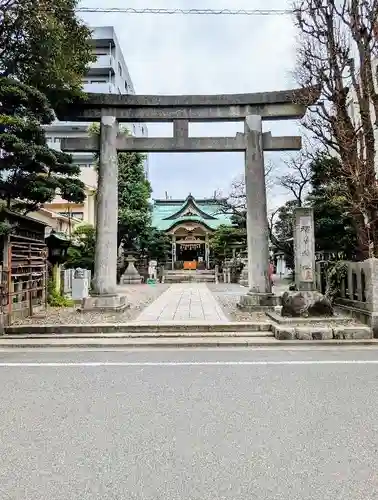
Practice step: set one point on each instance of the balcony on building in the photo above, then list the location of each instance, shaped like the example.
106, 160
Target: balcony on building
103, 64
83, 159
104, 36
100, 88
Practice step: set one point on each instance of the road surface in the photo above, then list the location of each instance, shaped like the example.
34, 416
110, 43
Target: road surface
189, 424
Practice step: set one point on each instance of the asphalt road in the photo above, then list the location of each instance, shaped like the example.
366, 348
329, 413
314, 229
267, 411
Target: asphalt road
189, 424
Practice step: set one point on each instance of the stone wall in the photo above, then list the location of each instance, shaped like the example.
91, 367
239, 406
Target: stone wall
358, 292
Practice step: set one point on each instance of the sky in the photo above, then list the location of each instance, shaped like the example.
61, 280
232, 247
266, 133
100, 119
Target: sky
182, 54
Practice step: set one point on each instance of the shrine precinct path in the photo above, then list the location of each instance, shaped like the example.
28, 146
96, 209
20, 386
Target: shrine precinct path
184, 302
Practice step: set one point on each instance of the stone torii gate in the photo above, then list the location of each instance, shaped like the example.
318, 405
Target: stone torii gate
110, 109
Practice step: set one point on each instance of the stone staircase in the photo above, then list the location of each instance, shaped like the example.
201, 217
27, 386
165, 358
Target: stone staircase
138, 334
190, 276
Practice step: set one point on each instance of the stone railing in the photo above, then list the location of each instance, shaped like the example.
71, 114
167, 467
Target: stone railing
358, 295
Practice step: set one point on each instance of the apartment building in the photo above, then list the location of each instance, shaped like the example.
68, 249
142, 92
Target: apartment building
108, 74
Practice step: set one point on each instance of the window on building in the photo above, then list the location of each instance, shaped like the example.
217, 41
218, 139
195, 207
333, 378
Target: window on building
76, 215
57, 139
126, 87
120, 69
98, 81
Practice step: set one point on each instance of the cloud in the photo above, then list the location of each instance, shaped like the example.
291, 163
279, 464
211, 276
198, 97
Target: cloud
176, 54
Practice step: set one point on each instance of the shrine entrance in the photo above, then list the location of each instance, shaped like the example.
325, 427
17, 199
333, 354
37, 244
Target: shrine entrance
190, 254
252, 109
191, 251
190, 246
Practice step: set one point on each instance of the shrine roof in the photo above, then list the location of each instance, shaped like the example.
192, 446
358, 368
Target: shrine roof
169, 213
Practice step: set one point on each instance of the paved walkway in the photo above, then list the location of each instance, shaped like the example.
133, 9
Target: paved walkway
184, 302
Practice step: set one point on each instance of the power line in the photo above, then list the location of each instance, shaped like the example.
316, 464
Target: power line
221, 12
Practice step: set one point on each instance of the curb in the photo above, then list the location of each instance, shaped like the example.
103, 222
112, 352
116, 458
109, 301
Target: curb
133, 336
190, 343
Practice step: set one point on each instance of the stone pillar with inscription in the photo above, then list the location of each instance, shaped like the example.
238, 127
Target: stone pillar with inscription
306, 301
304, 249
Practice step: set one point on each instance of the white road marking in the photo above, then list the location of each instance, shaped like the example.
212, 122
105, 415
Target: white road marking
329, 348
96, 364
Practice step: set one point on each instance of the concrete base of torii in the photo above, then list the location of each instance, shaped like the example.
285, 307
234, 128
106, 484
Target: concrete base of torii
253, 301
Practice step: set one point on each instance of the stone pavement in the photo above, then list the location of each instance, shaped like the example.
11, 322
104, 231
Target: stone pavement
184, 302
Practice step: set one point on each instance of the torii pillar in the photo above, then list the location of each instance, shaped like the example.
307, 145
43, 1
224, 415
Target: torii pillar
260, 294
104, 284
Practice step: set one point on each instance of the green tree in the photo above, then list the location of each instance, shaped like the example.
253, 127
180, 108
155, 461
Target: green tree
281, 231
30, 172
45, 45
134, 191
44, 53
335, 229
134, 210
82, 252
156, 244
223, 239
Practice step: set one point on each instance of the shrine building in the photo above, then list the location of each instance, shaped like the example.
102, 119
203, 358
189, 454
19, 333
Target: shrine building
189, 223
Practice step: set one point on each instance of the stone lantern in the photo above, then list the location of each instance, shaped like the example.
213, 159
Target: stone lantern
131, 275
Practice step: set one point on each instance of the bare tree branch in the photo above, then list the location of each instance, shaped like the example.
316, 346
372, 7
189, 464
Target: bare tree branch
236, 202
298, 178
337, 47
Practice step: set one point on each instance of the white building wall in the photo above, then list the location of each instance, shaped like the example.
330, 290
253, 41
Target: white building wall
108, 74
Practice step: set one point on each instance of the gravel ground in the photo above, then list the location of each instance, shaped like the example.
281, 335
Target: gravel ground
139, 297
228, 296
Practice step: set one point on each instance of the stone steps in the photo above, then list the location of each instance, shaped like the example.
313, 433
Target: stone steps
189, 279
139, 327
198, 276
175, 330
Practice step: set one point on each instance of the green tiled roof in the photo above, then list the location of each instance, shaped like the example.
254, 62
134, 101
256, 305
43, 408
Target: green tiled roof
167, 213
